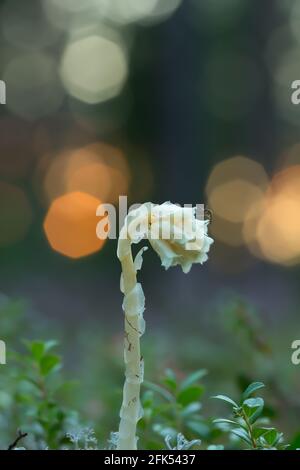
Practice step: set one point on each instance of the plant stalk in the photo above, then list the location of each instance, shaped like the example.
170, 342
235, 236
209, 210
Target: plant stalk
133, 306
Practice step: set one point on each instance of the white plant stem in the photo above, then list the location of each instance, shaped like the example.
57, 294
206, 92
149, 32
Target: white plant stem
133, 305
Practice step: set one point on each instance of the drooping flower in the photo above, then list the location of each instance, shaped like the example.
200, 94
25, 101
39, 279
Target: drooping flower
174, 232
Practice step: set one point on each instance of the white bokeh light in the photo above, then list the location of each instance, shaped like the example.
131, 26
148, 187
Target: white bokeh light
145, 11
126, 11
94, 68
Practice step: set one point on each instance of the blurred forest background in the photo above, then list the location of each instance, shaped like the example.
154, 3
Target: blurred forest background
180, 100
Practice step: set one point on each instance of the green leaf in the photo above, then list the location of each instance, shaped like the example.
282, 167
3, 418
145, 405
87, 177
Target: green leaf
39, 348
253, 408
272, 436
49, 363
160, 390
225, 421
251, 389
242, 434
52, 343
258, 432
240, 423
191, 409
226, 399
170, 380
190, 394
36, 348
192, 378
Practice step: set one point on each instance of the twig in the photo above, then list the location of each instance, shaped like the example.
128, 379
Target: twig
20, 436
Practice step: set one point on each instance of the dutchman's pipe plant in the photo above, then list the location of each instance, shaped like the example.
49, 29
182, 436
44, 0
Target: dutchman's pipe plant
179, 238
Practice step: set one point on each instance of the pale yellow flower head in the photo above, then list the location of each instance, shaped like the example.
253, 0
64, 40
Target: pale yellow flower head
174, 232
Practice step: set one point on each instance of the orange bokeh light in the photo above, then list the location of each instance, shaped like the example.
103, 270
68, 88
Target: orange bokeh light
237, 168
278, 229
97, 169
287, 182
223, 199
281, 221
70, 225
86, 174
235, 186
